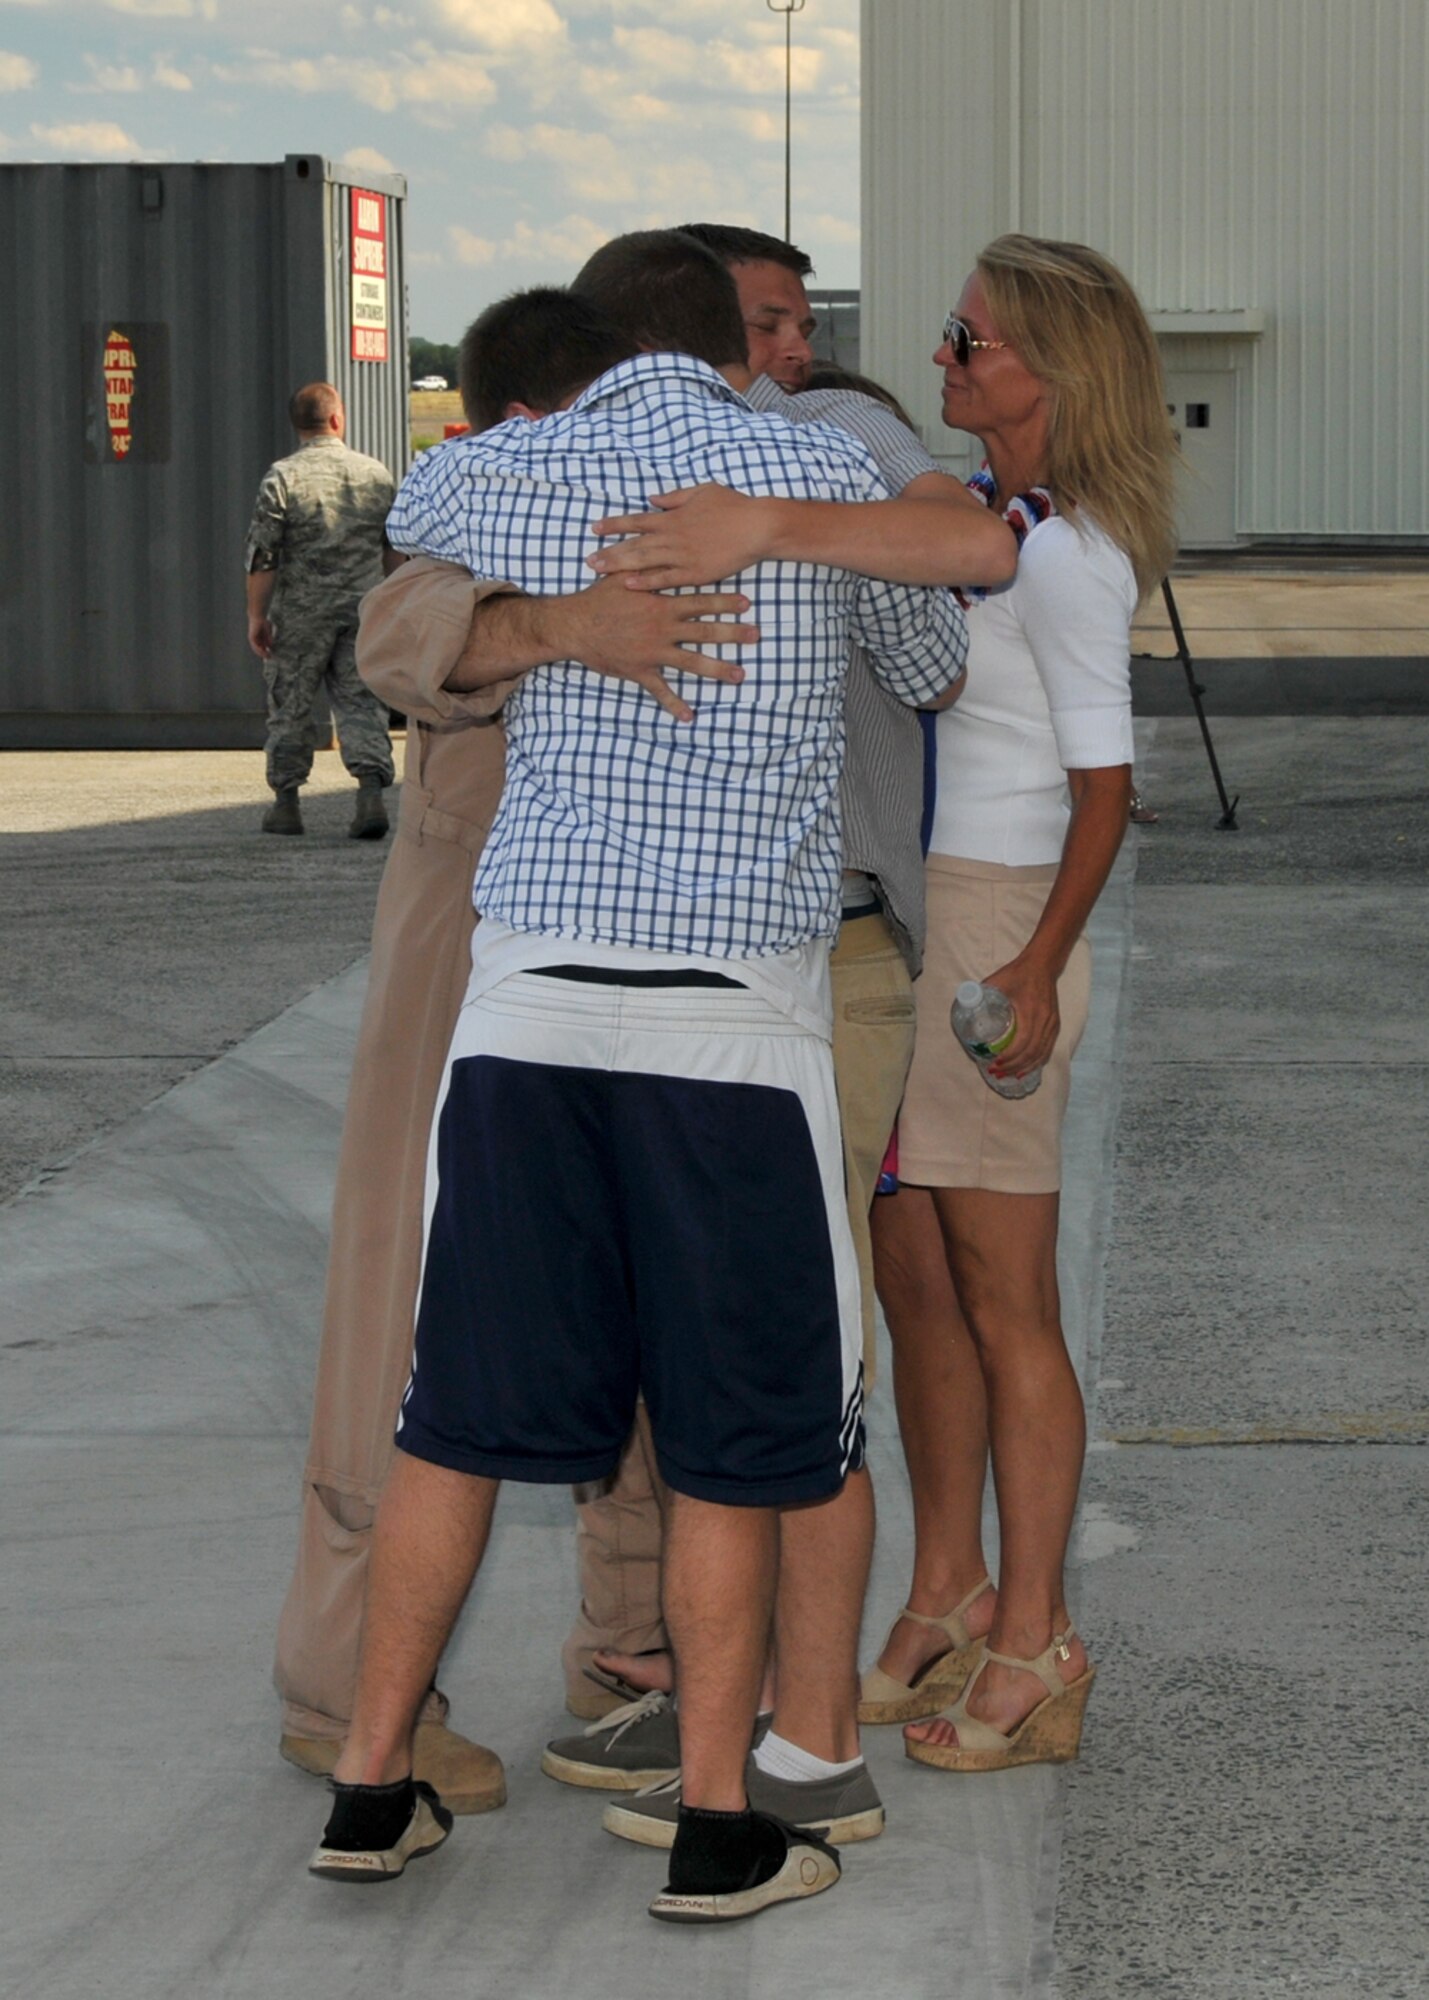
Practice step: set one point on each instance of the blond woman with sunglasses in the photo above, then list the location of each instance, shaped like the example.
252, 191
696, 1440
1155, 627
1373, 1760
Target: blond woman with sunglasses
1047, 359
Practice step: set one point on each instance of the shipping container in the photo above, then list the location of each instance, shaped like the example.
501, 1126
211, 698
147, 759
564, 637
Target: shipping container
155, 319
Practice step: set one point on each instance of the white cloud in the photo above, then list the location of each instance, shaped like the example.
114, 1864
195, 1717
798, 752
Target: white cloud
673, 58
429, 79
503, 25
609, 92
761, 71
111, 78
758, 71
98, 136
640, 108
368, 160
123, 79
832, 228
568, 242
16, 72
765, 127
561, 248
591, 164
469, 248
156, 9
504, 142
691, 11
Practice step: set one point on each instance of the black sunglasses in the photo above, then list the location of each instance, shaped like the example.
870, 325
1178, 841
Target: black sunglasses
957, 336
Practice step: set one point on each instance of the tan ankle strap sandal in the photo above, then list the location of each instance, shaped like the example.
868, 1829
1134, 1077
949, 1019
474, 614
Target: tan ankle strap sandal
884, 1699
1051, 1733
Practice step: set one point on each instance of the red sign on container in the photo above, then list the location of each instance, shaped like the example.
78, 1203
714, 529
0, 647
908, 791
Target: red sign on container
119, 368
369, 276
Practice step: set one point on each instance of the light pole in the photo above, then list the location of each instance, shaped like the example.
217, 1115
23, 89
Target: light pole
788, 8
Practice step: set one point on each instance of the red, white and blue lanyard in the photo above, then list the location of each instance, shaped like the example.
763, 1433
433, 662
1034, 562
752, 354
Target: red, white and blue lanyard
1023, 512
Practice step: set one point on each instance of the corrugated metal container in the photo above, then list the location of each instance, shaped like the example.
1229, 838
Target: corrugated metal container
155, 320
1260, 169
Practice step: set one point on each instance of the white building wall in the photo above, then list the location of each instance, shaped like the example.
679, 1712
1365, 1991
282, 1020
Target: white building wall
1229, 154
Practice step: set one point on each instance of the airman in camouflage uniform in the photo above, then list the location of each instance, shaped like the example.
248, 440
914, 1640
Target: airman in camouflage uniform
314, 548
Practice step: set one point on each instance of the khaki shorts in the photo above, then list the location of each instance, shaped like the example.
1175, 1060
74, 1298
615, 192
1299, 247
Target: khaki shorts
954, 1131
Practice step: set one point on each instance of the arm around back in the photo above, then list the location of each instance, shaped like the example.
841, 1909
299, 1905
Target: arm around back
933, 532
415, 627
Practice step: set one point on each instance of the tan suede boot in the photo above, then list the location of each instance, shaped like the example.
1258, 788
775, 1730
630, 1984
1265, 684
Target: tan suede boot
466, 1777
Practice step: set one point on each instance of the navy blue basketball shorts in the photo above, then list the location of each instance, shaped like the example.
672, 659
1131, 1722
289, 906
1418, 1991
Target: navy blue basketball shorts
635, 1191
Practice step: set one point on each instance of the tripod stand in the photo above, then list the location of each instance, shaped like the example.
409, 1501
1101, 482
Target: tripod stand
1227, 821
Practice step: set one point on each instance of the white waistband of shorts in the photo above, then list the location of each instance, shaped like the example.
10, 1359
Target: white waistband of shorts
576, 1004
794, 984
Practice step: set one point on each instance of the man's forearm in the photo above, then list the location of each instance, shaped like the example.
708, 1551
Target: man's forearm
918, 538
261, 583
627, 635
510, 635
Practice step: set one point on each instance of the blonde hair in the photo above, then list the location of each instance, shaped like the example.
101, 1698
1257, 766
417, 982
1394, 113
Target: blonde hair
1078, 325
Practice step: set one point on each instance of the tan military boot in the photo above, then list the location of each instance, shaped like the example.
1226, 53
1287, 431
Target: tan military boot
283, 815
369, 817
466, 1777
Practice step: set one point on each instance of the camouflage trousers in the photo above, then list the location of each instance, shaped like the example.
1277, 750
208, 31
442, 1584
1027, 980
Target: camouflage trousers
310, 655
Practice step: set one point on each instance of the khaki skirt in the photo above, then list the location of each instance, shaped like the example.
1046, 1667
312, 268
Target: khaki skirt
953, 1130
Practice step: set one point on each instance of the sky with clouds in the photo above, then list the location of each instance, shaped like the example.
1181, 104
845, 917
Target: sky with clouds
529, 130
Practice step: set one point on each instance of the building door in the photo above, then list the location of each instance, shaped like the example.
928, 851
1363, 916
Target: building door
1203, 410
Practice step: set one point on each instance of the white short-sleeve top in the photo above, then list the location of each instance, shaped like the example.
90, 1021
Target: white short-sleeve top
1048, 691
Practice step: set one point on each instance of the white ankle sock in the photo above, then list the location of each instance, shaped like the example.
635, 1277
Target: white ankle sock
778, 1758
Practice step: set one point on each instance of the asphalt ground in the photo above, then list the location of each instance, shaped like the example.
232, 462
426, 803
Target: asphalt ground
149, 925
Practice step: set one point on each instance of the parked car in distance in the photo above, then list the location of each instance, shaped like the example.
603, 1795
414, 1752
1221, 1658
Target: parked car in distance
431, 382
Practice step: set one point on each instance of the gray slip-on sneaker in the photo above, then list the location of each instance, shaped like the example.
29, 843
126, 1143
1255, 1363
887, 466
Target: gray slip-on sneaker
842, 1809
809, 1867
625, 1751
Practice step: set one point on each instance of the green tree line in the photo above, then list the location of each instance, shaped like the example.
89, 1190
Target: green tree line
430, 357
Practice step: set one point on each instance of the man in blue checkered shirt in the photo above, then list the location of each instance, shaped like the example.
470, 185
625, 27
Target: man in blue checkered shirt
636, 1173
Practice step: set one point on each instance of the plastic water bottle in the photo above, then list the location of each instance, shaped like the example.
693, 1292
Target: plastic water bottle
985, 1022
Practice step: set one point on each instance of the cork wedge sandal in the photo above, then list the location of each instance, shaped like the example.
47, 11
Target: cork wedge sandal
883, 1699
1050, 1734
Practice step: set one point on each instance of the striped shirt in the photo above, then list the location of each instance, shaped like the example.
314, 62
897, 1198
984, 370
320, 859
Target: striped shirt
881, 794
619, 827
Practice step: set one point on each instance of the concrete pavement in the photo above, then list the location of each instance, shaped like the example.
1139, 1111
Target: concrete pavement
149, 925
1243, 1276
1323, 610
1247, 1818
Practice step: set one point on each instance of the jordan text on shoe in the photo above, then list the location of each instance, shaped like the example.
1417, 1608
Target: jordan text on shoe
809, 1866
375, 1830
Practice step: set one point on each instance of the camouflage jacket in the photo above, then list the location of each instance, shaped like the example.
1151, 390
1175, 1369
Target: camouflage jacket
319, 521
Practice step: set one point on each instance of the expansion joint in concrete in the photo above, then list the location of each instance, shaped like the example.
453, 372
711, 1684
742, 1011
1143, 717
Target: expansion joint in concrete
1410, 1427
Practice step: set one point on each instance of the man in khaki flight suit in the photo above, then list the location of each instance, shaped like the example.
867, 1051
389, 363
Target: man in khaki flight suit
314, 547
